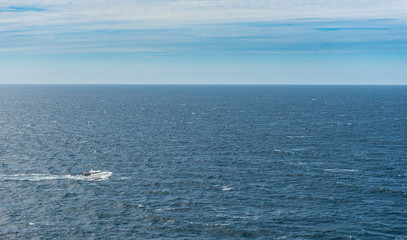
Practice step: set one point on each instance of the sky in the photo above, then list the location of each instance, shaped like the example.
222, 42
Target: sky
203, 42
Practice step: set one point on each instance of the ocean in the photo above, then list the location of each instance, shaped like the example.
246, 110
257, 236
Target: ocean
203, 162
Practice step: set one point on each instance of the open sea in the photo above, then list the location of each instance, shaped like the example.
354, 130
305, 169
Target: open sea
203, 162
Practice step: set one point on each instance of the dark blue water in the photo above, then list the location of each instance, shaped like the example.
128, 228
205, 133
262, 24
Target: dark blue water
203, 162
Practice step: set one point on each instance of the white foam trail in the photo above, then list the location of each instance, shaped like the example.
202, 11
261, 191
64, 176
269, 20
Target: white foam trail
101, 176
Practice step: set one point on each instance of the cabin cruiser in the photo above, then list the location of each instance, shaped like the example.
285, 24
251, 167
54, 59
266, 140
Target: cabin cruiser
90, 173
97, 175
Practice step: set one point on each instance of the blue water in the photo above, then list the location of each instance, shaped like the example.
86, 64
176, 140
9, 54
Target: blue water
203, 162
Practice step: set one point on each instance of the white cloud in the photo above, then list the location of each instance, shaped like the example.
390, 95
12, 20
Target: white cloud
72, 26
168, 12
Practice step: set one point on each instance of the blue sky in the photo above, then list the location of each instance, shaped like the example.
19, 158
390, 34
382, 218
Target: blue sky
204, 42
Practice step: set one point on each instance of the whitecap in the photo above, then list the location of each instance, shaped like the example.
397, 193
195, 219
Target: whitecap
340, 170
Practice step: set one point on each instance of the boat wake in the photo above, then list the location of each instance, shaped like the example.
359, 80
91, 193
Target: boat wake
99, 176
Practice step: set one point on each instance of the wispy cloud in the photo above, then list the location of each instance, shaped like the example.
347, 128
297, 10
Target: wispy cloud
21, 9
181, 27
167, 12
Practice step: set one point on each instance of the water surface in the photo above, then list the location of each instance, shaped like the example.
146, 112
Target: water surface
203, 162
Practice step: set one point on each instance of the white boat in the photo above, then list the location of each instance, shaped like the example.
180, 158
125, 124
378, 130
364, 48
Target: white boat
95, 175
90, 173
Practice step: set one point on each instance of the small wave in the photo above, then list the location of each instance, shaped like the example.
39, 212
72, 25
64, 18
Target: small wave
298, 149
336, 170
43, 177
300, 136
283, 152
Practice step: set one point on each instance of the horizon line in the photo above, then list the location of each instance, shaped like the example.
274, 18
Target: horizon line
199, 84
